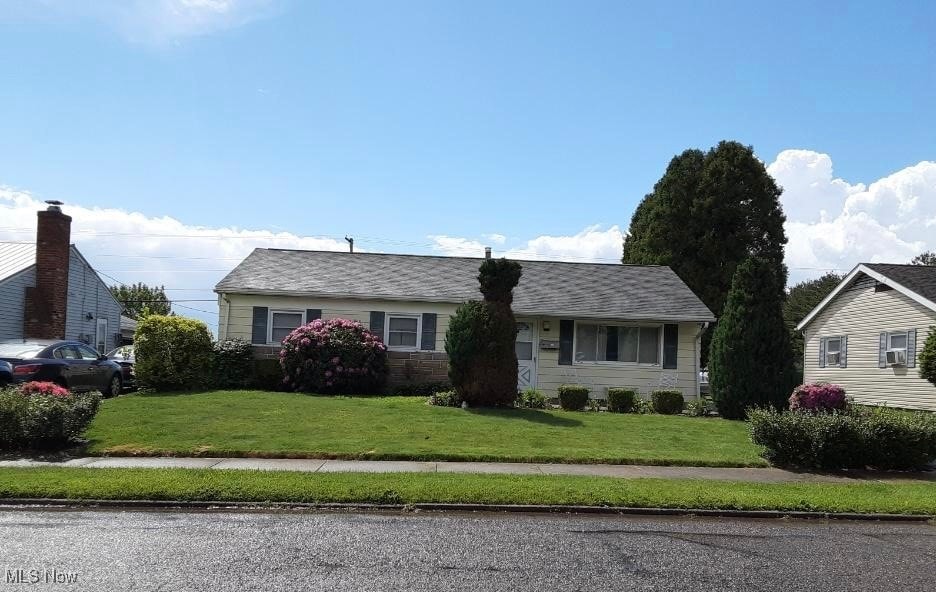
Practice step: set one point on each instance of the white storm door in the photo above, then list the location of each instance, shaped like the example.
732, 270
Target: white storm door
526, 354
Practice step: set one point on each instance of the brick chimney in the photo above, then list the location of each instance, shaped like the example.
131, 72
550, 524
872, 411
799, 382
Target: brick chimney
44, 316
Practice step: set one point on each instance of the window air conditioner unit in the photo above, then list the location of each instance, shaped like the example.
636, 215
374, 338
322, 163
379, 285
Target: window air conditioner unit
833, 359
896, 357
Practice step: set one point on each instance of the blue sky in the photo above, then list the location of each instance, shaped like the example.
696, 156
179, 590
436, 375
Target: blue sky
400, 123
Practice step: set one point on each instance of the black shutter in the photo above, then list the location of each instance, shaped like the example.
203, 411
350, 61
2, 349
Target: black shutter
566, 330
428, 331
312, 314
611, 347
670, 345
377, 323
258, 333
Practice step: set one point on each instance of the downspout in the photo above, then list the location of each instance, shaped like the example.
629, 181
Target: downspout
227, 316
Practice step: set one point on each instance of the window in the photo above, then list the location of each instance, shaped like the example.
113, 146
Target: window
897, 340
402, 331
617, 343
66, 352
282, 323
833, 351
100, 340
87, 353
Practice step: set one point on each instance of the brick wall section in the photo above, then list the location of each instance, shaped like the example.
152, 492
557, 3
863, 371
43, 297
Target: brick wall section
404, 367
46, 303
416, 367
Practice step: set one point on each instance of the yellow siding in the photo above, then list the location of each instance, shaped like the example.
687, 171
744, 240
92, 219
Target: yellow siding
236, 316
640, 377
863, 314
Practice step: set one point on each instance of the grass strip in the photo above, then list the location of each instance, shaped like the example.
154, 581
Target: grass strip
402, 488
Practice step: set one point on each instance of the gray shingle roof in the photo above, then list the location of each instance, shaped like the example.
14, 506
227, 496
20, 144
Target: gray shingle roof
547, 287
15, 257
919, 278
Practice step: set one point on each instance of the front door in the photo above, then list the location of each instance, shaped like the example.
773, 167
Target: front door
526, 354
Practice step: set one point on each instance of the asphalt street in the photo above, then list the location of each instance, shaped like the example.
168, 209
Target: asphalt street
240, 551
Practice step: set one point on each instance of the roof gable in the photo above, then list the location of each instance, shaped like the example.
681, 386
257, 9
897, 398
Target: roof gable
921, 288
547, 287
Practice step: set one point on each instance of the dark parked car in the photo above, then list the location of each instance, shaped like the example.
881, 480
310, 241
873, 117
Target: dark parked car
6, 373
123, 355
71, 364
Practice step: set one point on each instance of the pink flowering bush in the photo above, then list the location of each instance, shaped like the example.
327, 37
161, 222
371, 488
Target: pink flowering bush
43, 388
336, 356
818, 396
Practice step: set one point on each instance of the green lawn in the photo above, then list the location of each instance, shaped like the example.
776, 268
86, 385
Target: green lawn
403, 488
267, 424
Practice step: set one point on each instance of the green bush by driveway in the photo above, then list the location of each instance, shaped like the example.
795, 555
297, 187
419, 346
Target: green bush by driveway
268, 424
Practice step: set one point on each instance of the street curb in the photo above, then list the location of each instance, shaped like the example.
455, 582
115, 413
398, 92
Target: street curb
222, 506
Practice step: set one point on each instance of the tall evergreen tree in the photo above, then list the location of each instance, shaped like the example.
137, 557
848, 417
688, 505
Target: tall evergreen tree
751, 362
800, 300
707, 214
137, 297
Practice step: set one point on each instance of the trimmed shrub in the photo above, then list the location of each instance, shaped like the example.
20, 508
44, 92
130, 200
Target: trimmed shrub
818, 396
233, 363
44, 418
622, 400
336, 356
573, 397
927, 357
447, 398
480, 341
172, 353
667, 402
697, 408
267, 375
420, 389
531, 399
885, 439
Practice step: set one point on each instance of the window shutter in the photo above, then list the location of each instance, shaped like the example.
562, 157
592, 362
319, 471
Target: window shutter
258, 333
844, 355
882, 347
822, 350
428, 331
377, 323
566, 330
670, 345
312, 314
911, 348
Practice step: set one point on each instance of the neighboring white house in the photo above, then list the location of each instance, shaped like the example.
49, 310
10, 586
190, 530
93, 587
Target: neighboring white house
866, 333
48, 290
599, 325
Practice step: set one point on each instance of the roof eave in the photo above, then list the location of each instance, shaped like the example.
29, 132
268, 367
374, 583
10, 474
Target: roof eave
519, 311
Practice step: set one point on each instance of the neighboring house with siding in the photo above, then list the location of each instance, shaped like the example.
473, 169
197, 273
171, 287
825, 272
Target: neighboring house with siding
866, 333
48, 290
599, 325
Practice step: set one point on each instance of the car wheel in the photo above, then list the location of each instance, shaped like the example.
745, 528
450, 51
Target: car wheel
114, 386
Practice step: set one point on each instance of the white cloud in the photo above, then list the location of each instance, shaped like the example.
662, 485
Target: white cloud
132, 247
150, 21
834, 224
497, 239
594, 243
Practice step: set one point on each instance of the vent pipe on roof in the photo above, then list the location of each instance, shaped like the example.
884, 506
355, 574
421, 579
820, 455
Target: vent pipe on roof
350, 244
487, 252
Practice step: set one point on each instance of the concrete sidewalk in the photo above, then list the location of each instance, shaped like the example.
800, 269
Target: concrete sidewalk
753, 475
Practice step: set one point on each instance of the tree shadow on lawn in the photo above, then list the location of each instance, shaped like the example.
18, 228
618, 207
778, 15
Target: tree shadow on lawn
532, 415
